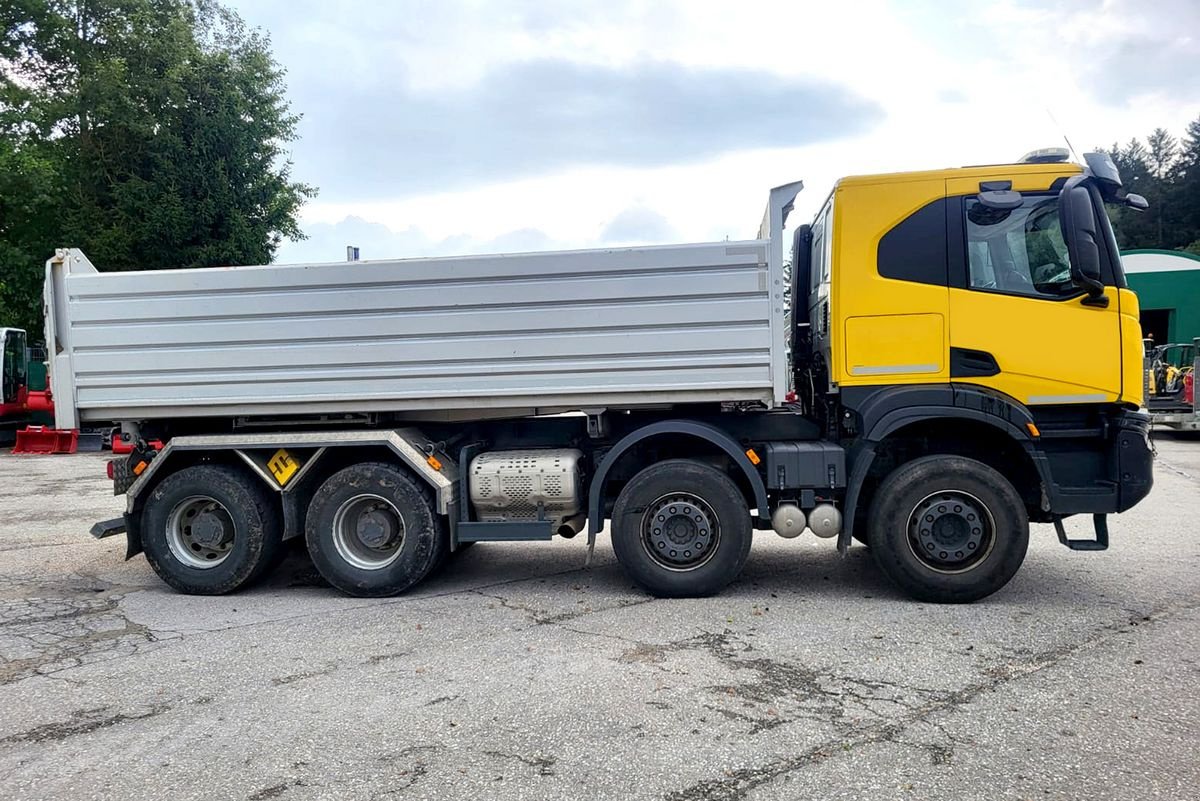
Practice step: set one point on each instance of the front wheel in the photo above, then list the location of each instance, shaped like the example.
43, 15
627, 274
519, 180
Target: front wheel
681, 529
948, 529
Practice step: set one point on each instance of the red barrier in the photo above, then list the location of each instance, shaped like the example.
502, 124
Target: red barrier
121, 446
42, 440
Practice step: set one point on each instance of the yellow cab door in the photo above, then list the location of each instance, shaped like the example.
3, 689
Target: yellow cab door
1018, 324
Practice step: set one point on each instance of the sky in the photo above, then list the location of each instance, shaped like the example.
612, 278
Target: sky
441, 128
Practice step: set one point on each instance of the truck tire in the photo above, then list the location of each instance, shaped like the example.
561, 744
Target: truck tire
211, 530
681, 529
373, 530
948, 529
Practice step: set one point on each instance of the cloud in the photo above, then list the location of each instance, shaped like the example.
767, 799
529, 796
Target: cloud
1169, 64
952, 96
1116, 50
327, 242
534, 117
637, 224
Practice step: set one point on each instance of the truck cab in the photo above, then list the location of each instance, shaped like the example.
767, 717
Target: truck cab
929, 283
941, 309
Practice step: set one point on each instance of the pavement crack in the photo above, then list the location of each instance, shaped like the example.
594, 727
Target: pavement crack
735, 785
310, 674
406, 767
541, 618
45, 636
543, 764
1179, 471
82, 721
275, 790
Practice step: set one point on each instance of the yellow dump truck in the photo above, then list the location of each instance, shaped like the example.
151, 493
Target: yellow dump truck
899, 379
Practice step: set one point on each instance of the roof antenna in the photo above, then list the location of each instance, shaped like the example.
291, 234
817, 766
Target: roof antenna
1070, 146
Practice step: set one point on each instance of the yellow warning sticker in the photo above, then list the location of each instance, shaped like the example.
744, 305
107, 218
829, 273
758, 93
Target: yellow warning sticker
282, 466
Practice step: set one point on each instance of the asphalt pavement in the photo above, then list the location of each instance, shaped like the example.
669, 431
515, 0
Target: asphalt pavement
517, 673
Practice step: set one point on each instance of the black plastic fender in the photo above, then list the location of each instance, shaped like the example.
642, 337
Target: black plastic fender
885, 410
691, 428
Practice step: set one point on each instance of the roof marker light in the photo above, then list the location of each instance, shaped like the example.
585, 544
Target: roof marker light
1046, 155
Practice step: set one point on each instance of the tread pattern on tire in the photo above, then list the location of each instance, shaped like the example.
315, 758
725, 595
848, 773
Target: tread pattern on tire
258, 539
888, 535
427, 552
719, 491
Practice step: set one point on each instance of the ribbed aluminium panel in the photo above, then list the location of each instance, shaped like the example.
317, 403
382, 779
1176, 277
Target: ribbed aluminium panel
560, 329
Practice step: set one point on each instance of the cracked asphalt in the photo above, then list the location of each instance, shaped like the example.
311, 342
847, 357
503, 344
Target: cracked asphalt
516, 673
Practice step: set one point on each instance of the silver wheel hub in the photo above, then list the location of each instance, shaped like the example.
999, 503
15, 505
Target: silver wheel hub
368, 532
200, 532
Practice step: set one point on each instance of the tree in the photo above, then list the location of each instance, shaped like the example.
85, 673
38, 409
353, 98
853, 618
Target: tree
1185, 187
1167, 172
1133, 163
1162, 151
150, 133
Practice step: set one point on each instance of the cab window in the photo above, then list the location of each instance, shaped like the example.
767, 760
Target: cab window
1019, 251
14, 365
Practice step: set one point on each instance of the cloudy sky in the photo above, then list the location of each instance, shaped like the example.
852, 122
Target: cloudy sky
440, 127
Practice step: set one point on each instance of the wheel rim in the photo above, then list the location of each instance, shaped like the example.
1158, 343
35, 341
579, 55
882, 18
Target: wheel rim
680, 531
368, 532
200, 532
951, 531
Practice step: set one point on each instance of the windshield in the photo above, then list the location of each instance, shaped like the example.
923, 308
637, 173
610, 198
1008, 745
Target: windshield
1019, 250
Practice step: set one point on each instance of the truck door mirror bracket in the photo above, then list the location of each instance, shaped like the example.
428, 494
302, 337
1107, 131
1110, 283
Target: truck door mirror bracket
999, 195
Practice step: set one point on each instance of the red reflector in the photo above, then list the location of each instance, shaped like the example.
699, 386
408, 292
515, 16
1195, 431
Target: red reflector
108, 468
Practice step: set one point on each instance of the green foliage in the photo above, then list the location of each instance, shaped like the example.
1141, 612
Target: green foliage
1167, 172
150, 133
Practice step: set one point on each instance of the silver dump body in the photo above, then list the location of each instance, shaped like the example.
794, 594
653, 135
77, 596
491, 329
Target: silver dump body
523, 333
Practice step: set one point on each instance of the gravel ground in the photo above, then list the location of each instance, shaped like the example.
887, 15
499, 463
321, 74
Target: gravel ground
516, 673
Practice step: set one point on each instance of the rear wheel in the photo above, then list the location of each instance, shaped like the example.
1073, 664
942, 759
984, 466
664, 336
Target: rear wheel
373, 530
948, 529
681, 529
211, 529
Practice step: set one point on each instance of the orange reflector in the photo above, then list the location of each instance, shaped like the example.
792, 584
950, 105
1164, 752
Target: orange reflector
1033, 430
434, 462
752, 456
140, 468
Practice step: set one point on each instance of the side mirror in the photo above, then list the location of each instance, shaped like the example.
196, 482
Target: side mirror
1080, 231
1136, 202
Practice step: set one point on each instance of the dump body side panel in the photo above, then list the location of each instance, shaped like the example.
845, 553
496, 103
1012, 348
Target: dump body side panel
564, 329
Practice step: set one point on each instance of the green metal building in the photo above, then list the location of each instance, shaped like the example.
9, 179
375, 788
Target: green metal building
1167, 283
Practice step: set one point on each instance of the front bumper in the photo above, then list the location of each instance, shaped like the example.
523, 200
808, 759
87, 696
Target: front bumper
1101, 469
1135, 459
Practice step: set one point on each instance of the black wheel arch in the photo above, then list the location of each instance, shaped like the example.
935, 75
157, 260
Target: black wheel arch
705, 432
882, 414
